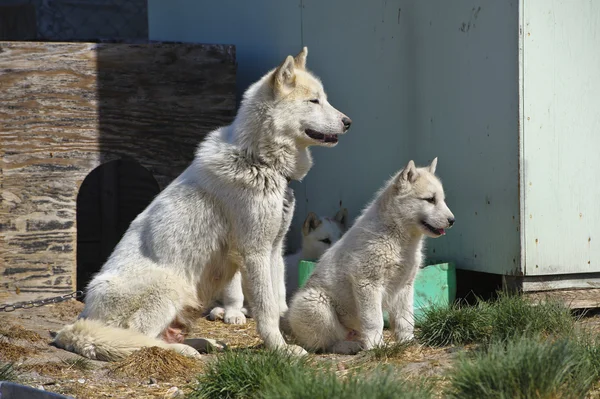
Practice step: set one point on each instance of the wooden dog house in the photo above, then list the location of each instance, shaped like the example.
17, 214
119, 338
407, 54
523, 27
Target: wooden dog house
90, 134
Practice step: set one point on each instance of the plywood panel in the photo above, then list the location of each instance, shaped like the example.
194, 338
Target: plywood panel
65, 108
561, 125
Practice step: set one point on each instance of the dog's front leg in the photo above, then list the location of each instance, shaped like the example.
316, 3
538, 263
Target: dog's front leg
402, 313
278, 274
277, 261
233, 301
265, 309
369, 300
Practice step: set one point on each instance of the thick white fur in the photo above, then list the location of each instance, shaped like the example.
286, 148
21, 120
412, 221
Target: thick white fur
318, 234
372, 268
224, 213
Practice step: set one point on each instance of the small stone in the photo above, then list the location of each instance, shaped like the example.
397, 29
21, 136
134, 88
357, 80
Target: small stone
152, 381
173, 393
81, 381
41, 388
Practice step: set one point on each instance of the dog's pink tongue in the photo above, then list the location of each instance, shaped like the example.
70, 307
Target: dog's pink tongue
442, 232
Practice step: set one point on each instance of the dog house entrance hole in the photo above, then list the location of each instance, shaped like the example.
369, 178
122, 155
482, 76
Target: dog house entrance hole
110, 197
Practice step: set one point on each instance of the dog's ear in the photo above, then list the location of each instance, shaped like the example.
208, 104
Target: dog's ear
312, 222
408, 174
285, 76
300, 59
342, 217
433, 165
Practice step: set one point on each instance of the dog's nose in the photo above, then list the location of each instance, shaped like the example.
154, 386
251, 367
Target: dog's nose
347, 122
450, 221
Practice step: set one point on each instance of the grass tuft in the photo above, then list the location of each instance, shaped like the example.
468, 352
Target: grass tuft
243, 374
77, 363
269, 375
458, 324
389, 351
381, 384
507, 317
525, 367
7, 372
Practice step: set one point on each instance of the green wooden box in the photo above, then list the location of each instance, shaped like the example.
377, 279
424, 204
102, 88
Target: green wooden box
435, 285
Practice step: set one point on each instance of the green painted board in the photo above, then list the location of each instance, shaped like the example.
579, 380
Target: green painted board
435, 285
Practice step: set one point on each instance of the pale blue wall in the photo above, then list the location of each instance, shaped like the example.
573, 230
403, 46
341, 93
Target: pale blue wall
415, 85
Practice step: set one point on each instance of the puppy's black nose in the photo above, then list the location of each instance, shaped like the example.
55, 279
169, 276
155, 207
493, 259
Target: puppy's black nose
450, 221
347, 122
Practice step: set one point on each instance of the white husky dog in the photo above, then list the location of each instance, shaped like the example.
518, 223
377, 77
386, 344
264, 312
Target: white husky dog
318, 234
223, 214
372, 267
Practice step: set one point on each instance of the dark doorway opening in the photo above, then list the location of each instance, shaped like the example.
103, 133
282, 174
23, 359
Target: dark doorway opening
109, 198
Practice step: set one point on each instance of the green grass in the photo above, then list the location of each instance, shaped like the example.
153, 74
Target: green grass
7, 372
243, 374
523, 368
454, 325
78, 363
268, 374
507, 317
379, 384
388, 351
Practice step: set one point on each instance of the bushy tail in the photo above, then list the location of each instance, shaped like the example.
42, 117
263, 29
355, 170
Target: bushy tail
97, 341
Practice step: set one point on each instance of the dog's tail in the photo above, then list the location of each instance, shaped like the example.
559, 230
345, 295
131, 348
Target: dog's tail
97, 341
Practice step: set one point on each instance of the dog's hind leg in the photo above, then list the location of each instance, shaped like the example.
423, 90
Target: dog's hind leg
315, 325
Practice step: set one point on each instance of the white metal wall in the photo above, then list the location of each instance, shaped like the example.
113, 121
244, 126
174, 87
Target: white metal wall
561, 136
419, 79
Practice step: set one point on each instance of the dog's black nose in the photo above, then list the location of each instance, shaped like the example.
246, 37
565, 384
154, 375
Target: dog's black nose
450, 221
347, 122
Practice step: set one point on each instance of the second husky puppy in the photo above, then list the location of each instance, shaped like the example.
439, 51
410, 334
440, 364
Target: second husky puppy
372, 267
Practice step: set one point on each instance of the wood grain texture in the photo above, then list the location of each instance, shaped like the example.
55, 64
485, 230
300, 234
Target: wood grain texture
66, 108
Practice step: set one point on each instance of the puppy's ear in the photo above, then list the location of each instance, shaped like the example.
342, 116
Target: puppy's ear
342, 218
300, 59
408, 174
312, 222
284, 78
433, 165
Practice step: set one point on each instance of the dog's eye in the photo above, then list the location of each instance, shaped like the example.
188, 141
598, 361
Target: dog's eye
326, 241
431, 200
315, 101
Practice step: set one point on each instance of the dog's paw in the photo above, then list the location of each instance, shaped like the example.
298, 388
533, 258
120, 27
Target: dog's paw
217, 313
234, 317
186, 350
205, 345
294, 350
347, 347
246, 311
405, 336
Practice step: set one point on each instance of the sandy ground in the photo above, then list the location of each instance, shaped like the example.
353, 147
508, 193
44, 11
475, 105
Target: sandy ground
25, 337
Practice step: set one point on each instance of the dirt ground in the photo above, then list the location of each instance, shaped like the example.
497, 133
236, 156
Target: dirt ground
25, 337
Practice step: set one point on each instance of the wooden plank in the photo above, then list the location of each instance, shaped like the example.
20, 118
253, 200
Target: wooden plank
575, 299
65, 108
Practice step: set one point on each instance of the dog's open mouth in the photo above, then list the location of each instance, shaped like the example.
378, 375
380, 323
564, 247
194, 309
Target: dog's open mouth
437, 232
322, 137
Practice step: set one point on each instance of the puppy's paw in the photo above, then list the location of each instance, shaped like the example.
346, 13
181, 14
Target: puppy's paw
295, 350
217, 313
234, 316
347, 347
186, 350
205, 345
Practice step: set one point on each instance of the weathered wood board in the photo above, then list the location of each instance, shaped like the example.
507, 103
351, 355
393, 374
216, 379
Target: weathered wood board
66, 108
